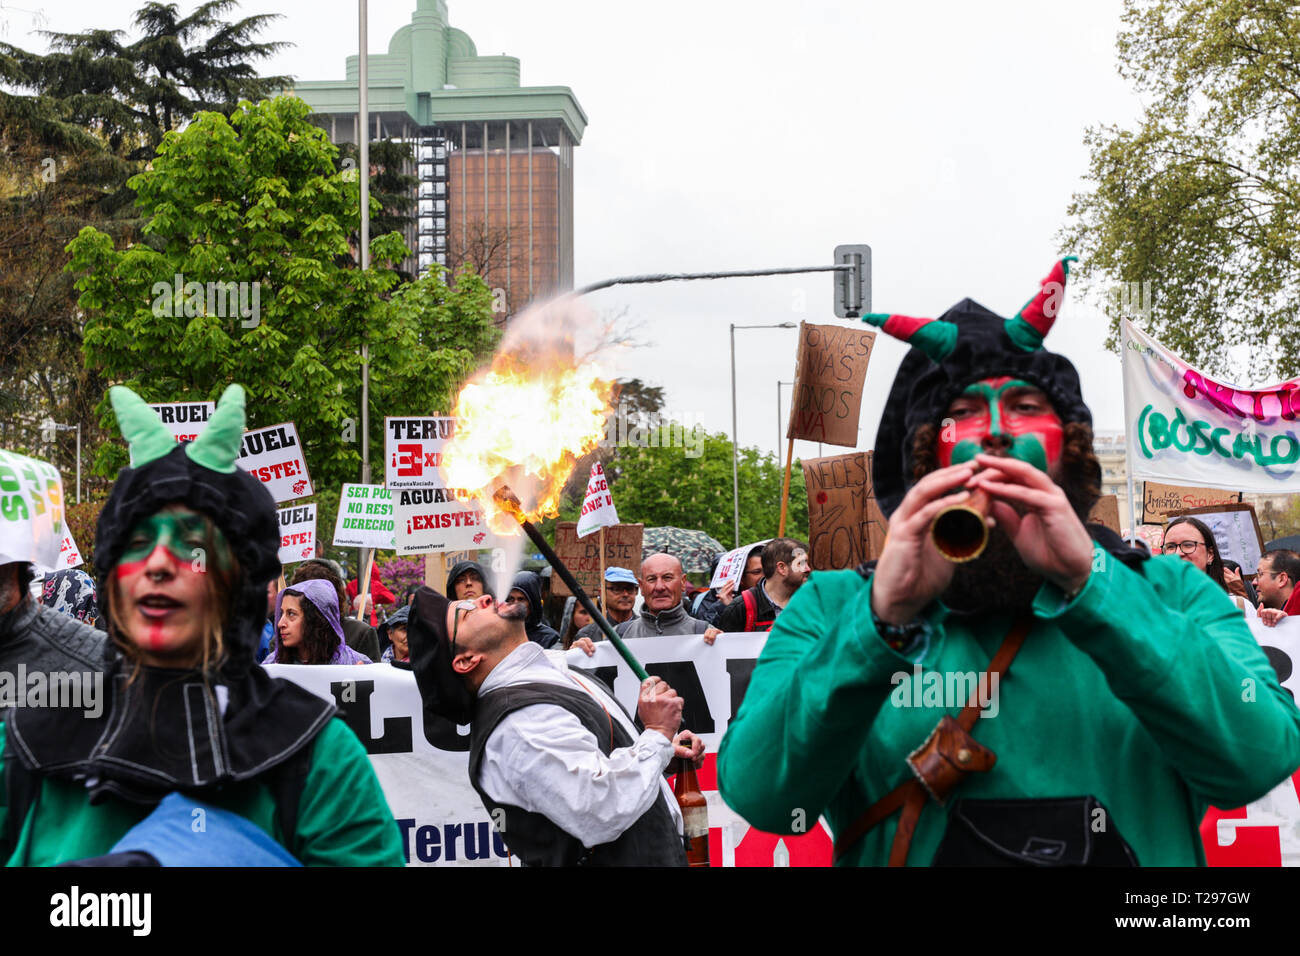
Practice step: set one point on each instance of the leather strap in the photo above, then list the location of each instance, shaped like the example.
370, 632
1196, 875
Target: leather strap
910, 795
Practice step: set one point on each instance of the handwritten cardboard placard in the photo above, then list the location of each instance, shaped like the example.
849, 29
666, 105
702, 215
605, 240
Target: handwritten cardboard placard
185, 419
828, 377
1236, 529
845, 525
582, 555
1106, 512
1159, 501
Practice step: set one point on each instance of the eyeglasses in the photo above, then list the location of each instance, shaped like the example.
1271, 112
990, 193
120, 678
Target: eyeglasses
468, 607
1186, 547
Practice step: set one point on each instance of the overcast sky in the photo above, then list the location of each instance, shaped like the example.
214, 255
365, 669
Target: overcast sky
724, 135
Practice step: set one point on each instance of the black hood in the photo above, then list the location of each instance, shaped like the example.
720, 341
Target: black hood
531, 584
459, 569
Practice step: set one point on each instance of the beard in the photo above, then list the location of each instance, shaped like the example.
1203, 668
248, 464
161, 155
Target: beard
995, 582
518, 611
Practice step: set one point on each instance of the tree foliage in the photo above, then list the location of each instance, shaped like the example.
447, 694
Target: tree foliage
1202, 199
255, 205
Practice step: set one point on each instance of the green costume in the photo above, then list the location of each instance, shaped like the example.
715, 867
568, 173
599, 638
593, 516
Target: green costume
343, 818
1147, 691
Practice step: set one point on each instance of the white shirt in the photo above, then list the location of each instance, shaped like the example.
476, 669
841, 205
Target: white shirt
541, 758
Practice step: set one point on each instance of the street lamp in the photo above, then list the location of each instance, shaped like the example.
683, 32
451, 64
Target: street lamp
735, 479
48, 429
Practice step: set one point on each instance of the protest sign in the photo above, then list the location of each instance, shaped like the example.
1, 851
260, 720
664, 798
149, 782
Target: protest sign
69, 553
582, 555
422, 760
598, 509
413, 451
732, 564
1267, 831
185, 419
297, 533
365, 518
435, 519
829, 373
274, 456
1159, 500
31, 512
1236, 531
1106, 512
845, 525
1186, 428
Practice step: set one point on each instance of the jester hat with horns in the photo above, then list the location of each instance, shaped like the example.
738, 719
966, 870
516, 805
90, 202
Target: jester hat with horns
967, 343
203, 476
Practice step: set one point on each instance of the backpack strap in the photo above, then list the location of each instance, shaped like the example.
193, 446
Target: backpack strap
286, 781
751, 609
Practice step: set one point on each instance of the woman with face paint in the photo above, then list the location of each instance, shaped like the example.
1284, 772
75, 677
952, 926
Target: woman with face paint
187, 721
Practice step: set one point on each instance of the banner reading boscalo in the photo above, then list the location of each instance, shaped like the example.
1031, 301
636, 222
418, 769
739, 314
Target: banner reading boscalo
32, 528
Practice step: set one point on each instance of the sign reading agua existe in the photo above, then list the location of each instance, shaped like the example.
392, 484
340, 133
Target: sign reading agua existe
438, 519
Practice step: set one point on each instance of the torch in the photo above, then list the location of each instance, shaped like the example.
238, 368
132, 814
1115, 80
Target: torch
507, 501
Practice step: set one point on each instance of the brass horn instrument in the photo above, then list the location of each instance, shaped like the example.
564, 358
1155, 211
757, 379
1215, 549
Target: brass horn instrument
961, 532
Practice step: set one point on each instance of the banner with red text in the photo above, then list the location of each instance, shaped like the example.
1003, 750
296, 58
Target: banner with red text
413, 451
185, 420
297, 533
274, 456
598, 509
1185, 428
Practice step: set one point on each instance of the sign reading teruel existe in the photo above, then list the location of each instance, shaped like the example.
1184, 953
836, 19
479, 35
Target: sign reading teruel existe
273, 455
185, 419
413, 450
297, 533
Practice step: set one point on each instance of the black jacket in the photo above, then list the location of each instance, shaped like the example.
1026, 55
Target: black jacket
537, 629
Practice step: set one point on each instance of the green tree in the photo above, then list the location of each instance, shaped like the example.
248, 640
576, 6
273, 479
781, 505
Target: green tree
253, 217
663, 486
1202, 198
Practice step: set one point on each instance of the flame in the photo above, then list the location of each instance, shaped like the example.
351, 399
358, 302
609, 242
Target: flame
526, 419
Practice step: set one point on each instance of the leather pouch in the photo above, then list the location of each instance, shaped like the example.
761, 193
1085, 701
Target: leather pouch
1066, 831
946, 757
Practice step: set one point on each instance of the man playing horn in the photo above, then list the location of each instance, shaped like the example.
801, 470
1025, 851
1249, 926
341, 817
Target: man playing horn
1132, 694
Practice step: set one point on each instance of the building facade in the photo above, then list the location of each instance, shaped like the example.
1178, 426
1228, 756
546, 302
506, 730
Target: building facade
493, 159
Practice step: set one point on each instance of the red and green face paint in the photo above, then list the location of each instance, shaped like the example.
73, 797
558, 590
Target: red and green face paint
1009, 409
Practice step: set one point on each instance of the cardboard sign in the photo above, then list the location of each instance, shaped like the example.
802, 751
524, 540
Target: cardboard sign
413, 451
365, 518
845, 525
1106, 512
828, 381
1236, 530
732, 564
598, 509
436, 519
69, 553
185, 419
1159, 501
273, 455
582, 555
31, 511
297, 533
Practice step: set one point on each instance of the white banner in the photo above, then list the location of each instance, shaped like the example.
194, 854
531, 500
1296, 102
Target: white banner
365, 518
732, 564
413, 451
1266, 832
598, 509
432, 519
1185, 428
424, 768
274, 456
31, 512
185, 419
297, 533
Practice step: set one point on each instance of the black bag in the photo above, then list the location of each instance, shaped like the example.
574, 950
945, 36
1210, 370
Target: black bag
1065, 831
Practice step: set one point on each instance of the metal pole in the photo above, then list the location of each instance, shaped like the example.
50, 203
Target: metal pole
363, 144
78, 462
778, 421
735, 479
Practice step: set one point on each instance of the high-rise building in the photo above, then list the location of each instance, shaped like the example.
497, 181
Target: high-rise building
493, 159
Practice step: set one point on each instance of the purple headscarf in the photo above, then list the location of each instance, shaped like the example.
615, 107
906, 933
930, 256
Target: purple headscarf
326, 599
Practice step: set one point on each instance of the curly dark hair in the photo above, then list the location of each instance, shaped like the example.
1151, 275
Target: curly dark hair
1080, 471
319, 641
